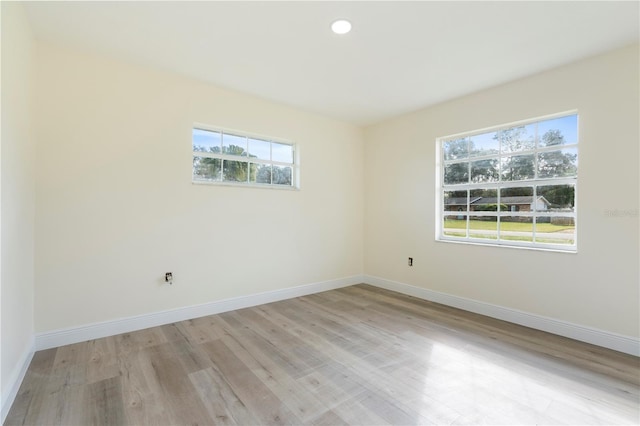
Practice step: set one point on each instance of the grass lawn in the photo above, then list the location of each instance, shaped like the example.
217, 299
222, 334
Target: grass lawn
506, 226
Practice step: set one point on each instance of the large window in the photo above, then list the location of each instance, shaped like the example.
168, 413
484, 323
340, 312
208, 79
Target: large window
230, 157
513, 185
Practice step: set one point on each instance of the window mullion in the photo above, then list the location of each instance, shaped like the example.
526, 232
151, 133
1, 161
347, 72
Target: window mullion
560, 192
230, 167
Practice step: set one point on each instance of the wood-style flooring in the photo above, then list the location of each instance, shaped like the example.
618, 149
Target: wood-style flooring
358, 355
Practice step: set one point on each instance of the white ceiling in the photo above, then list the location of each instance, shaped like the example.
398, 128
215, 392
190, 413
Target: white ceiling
399, 57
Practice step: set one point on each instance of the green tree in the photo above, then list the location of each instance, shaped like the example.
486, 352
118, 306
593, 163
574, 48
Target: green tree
485, 192
456, 173
455, 194
560, 196
205, 167
515, 139
235, 171
261, 173
556, 163
282, 175
484, 170
516, 167
490, 207
455, 149
221, 169
517, 192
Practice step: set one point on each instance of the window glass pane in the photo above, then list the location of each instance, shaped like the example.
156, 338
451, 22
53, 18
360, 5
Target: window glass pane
485, 192
485, 227
555, 230
207, 169
234, 145
516, 139
558, 131
455, 201
235, 171
485, 171
455, 149
206, 141
556, 198
485, 144
281, 152
516, 228
518, 167
456, 173
232, 157
260, 173
561, 163
483, 200
507, 176
455, 226
518, 199
282, 175
259, 149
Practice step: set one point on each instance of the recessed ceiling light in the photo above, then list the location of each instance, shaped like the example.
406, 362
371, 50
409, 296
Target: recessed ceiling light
341, 26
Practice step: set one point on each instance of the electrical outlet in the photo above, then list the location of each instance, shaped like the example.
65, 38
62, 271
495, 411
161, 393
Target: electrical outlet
410, 261
168, 277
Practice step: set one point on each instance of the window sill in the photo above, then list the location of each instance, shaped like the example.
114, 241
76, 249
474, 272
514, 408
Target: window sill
571, 250
246, 185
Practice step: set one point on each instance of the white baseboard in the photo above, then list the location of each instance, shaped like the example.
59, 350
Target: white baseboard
594, 336
55, 338
67, 336
16, 380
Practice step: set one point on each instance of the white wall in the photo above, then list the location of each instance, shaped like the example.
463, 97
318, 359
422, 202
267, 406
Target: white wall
116, 208
599, 286
17, 193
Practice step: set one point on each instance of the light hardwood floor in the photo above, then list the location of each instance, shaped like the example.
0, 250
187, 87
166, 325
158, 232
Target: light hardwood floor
357, 355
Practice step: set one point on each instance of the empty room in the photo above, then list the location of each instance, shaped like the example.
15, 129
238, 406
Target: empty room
320, 213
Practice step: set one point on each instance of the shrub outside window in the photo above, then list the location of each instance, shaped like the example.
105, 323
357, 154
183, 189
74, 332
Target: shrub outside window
231, 157
513, 185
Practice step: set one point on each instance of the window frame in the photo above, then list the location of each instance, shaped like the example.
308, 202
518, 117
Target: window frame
500, 184
294, 165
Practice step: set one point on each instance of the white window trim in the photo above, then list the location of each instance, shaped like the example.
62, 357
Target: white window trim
440, 188
295, 167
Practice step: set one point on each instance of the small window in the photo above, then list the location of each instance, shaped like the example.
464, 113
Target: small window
513, 185
231, 157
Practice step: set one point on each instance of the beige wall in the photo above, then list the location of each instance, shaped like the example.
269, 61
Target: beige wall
108, 196
116, 208
599, 286
17, 194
